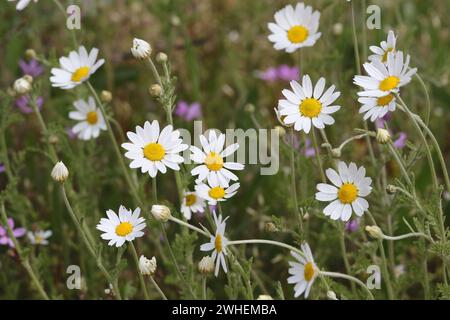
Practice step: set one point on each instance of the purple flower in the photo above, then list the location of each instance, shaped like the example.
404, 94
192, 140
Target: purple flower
4, 239
32, 68
23, 103
304, 149
72, 135
2, 168
188, 112
352, 225
287, 73
269, 75
400, 142
308, 151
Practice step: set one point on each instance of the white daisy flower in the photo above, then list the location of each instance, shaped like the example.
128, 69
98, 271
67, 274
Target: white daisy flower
215, 192
123, 227
152, 150
39, 237
381, 52
303, 271
294, 28
76, 68
385, 79
192, 203
307, 105
218, 244
211, 159
90, 118
22, 4
350, 187
375, 108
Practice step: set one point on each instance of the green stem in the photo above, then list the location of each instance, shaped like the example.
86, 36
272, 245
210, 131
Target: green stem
161, 293
141, 277
319, 160
263, 241
344, 252
346, 276
23, 259
294, 185
400, 163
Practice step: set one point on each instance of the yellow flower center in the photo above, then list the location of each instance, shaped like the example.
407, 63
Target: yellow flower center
218, 243
80, 74
389, 83
124, 229
190, 199
154, 151
385, 55
297, 34
38, 238
309, 271
385, 100
92, 117
216, 192
214, 161
347, 193
310, 107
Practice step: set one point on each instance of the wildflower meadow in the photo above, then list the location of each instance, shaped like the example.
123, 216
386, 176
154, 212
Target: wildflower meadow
232, 150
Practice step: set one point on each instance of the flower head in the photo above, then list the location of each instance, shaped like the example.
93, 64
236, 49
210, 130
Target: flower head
306, 105
39, 237
161, 212
23, 104
303, 271
147, 267
188, 112
76, 68
374, 231
152, 150
206, 265
381, 52
349, 188
215, 192
218, 244
385, 80
60, 173
17, 232
32, 67
23, 85
141, 49
192, 203
212, 165
22, 4
123, 227
294, 28
383, 136
90, 119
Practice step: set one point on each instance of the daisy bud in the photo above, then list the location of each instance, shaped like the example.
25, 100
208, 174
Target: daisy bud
141, 49
106, 96
374, 231
383, 136
270, 227
155, 90
161, 212
331, 295
249, 108
336, 153
206, 265
264, 297
147, 267
30, 54
60, 172
22, 86
53, 139
175, 20
161, 57
338, 28
390, 189
281, 131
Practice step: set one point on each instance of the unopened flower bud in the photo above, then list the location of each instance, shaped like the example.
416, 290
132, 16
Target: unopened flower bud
161, 212
30, 54
147, 267
53, 139
390, 189
175, 20
22, 86
338, 28
331, 295
60, 173
374, 231
206, 265
141, 49
383, 136
270, 227
264, 297
281, 131
161, 57
106, 96
249, 108
155, 90
336, 153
